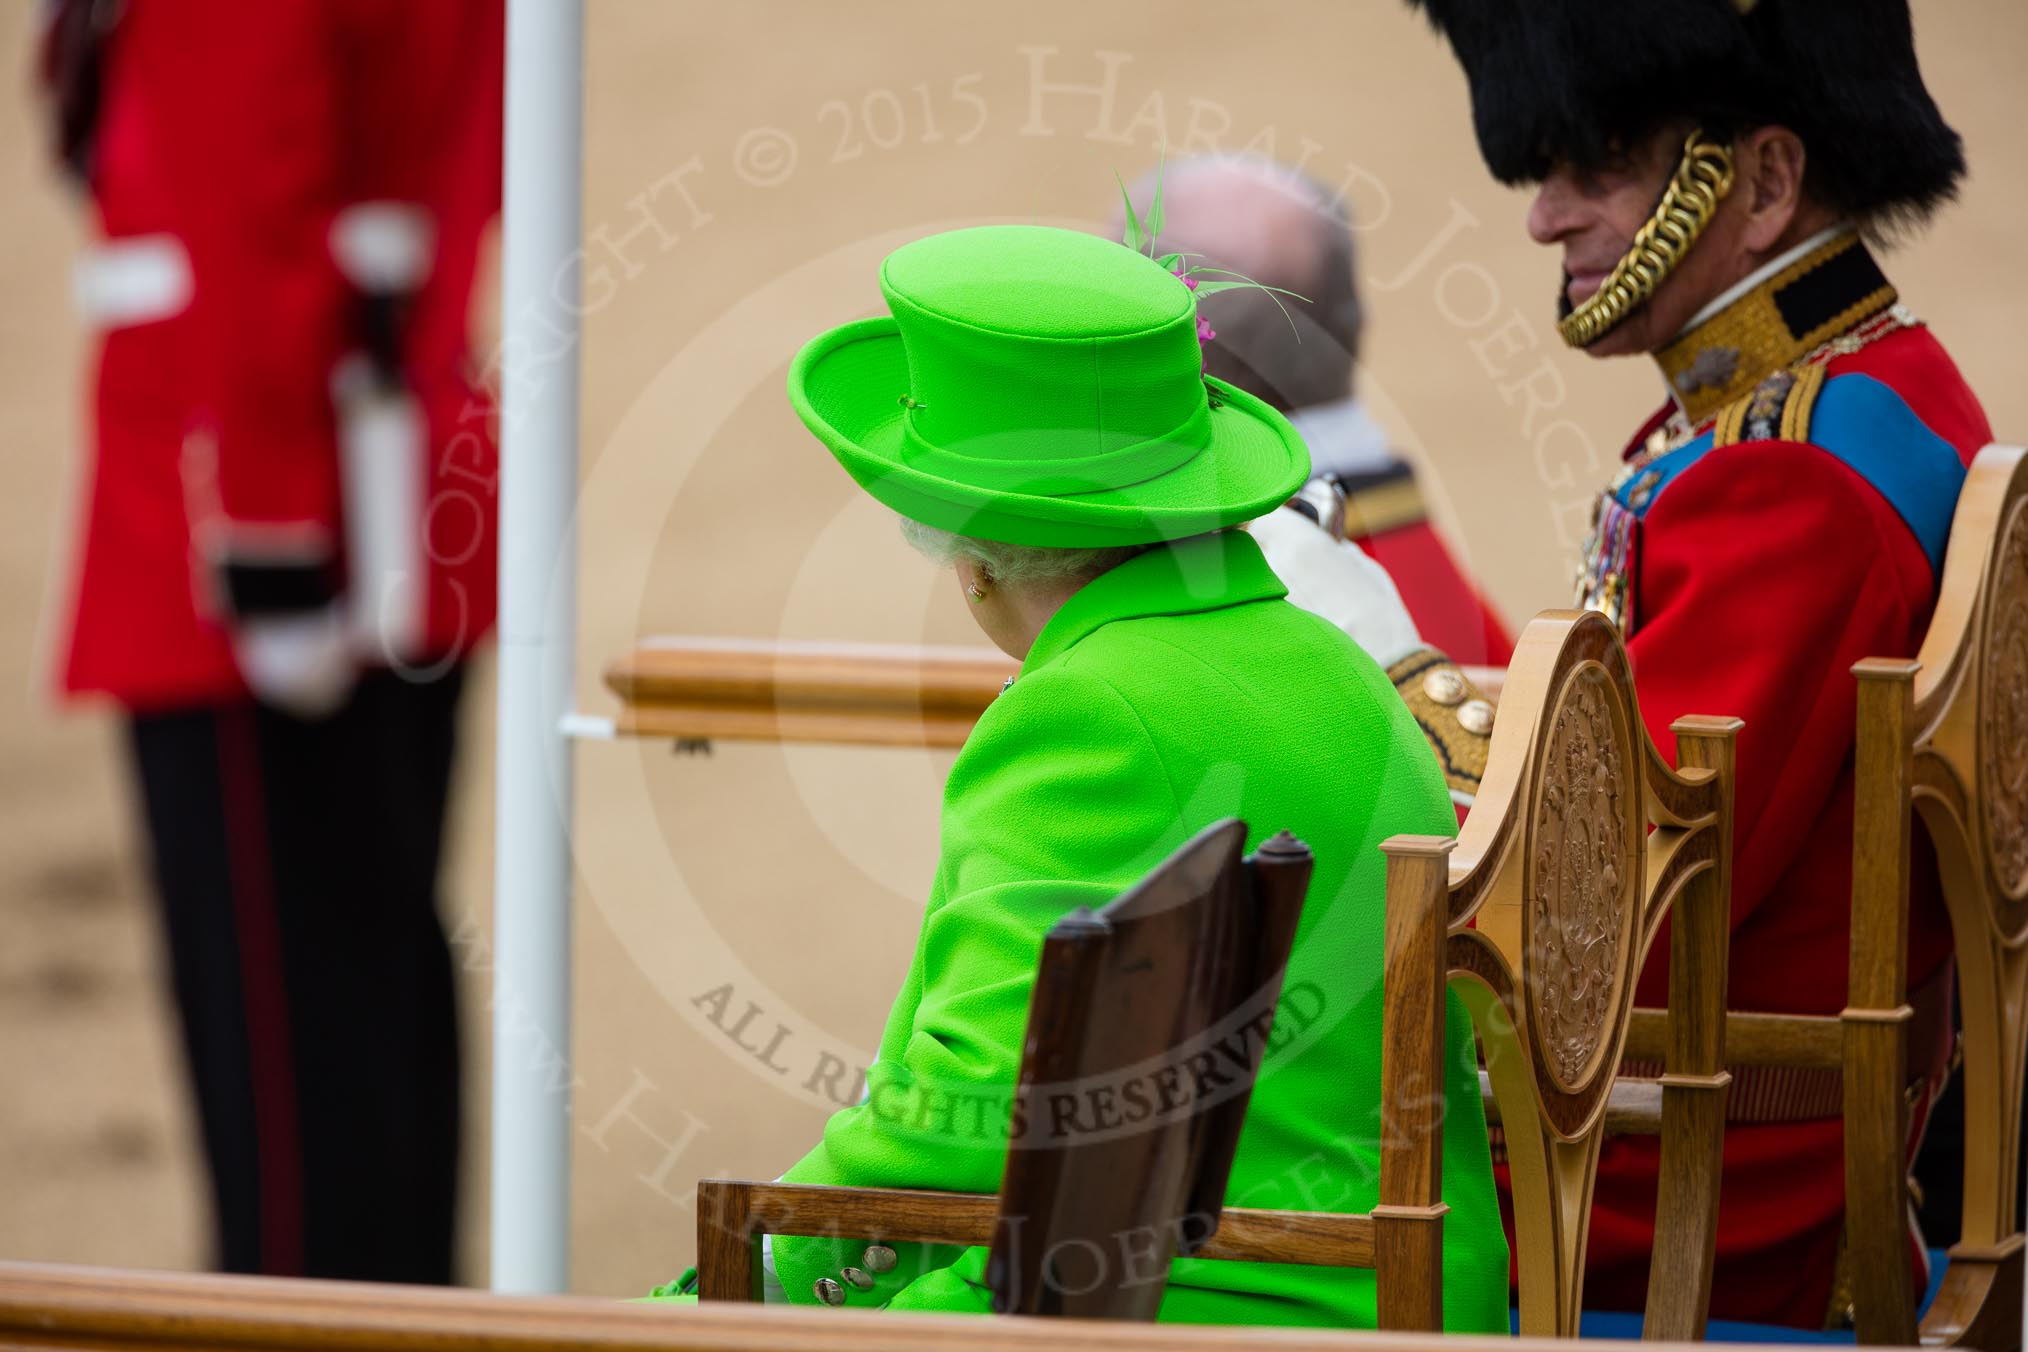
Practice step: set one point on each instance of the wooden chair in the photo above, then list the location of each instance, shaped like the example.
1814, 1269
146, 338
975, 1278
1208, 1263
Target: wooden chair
1567, 886
1945, 736
1191, 957
1582, 841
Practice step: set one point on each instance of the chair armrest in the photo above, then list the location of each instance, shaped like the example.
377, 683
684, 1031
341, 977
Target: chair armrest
1318, 1238
904, 1215
733, 1214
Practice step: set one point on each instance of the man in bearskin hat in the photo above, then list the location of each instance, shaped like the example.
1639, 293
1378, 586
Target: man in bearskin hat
1712, 172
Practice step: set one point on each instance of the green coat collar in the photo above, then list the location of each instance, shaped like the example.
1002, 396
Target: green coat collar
1204, 572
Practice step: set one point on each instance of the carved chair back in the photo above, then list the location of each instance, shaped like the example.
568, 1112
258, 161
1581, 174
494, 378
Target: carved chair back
1946, 736
1581, 843
1183, 970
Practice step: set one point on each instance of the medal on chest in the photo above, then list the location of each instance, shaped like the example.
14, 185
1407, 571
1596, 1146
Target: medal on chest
1606, 565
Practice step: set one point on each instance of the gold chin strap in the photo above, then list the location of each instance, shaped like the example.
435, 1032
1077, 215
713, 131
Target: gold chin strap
1701, 182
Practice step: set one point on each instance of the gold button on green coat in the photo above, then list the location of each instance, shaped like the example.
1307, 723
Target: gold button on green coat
1176, 689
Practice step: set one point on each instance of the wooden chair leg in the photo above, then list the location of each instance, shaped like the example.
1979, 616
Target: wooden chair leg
1695, 1082
1408, 1228
1553, 1181
1877, 1016
728, 1249
1993, 978
1979, 1302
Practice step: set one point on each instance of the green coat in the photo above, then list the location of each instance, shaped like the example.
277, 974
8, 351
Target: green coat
1179, 688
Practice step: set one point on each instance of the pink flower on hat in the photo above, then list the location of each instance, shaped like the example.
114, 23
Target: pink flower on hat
1141, 234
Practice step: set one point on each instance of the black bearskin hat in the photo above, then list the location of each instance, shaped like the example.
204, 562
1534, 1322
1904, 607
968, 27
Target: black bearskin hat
1578, 80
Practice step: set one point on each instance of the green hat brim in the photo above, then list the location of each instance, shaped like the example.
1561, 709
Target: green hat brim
846, 386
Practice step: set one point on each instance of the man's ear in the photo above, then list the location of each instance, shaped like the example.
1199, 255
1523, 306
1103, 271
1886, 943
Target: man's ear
1771, 161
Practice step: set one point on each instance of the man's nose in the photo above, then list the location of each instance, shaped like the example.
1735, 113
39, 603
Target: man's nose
1553, 214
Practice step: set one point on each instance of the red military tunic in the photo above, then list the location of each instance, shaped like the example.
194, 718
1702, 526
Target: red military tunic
1753, 554
258, 171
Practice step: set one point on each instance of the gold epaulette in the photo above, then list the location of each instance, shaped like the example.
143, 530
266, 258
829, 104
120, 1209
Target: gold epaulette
1777, 409
1455, 716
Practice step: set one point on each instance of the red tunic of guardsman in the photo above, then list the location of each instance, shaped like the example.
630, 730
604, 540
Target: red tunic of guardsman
1712, 170
286, 552
291, 202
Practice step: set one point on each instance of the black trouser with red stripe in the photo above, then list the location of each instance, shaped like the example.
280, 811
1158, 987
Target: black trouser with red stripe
296, 862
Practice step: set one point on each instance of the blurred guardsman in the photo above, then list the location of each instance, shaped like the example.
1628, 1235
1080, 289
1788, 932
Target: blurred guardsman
1356, 544
1714, 173
286, 551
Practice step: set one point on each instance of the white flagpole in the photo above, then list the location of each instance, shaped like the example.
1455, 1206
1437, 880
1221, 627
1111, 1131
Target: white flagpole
538, 622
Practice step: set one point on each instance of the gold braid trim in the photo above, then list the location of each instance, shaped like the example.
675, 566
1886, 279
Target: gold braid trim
1701, 182
1801, 404
1455, 716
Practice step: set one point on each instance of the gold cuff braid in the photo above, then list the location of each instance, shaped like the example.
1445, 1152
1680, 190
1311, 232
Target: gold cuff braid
1701, 182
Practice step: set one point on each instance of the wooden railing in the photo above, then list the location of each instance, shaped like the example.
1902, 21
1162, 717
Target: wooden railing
870, 694
105, 1308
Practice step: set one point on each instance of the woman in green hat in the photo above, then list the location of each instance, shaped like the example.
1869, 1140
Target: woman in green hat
1035, 410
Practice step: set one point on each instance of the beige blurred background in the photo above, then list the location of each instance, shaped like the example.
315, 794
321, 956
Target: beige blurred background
747, 166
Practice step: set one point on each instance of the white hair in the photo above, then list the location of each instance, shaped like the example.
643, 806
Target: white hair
1013, 565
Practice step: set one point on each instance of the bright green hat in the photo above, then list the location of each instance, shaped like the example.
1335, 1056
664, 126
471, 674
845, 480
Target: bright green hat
1042, 387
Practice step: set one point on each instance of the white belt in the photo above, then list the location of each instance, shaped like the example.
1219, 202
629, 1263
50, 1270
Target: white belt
384, 246
137, 279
